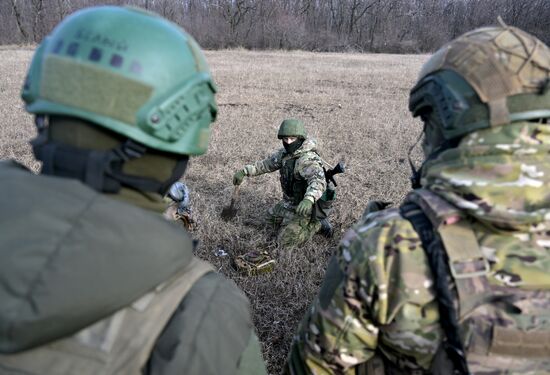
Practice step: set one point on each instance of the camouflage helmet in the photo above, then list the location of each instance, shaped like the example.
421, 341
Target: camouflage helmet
487, 77
129, 71
292, 128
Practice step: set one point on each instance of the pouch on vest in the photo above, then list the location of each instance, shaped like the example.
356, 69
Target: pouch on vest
323, 207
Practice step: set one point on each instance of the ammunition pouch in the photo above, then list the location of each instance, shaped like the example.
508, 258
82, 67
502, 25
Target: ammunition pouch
323, 207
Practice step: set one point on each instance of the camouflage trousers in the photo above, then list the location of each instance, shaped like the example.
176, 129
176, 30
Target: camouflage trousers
294, 230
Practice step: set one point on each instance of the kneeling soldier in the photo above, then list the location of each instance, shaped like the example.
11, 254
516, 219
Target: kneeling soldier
297, 217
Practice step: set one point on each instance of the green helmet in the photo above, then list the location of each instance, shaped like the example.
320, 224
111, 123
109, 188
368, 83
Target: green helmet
292, 128
129, 71
488, 77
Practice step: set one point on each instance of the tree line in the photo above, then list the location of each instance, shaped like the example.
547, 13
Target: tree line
395, 26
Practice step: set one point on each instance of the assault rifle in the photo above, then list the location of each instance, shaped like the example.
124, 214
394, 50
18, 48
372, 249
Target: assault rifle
329, 175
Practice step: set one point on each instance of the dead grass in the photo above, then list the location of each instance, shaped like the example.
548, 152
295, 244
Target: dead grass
354, 104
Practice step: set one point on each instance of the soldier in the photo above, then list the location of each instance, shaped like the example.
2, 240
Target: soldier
302, 181
93, 279
456, 280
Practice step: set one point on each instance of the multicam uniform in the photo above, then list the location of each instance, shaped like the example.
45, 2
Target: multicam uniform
378, 301
302, 177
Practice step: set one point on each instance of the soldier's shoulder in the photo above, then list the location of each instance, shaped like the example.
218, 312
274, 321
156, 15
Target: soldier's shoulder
389, 219
278, 154
384, 252
275, 158
310, 157
379, 236
310, 153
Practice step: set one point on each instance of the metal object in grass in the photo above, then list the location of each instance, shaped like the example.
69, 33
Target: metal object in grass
254, 263
220, 252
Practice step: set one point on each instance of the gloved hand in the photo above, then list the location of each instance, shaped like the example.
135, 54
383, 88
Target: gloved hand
238, 177
304, 207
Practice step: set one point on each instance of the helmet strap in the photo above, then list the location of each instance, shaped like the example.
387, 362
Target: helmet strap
101, 170
416, 174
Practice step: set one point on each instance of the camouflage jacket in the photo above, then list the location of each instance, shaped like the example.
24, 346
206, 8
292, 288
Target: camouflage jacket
308, 167
378, 298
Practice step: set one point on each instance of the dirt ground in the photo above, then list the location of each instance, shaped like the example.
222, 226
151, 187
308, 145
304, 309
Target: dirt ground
355, 105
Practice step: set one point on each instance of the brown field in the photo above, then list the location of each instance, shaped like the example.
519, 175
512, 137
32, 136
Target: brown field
355, 105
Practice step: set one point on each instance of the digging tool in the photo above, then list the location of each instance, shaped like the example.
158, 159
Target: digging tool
230, 212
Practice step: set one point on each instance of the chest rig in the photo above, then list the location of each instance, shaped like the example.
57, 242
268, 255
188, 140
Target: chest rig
293, 185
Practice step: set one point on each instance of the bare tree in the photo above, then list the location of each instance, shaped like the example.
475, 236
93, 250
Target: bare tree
234, 12
37, 8
320, 25
18, 20
358, 9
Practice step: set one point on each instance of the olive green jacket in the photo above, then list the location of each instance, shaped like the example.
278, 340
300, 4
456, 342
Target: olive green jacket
72, 257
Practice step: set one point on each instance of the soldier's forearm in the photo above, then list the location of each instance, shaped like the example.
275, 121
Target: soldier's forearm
315, 191
249, 170
260, 167
252, 170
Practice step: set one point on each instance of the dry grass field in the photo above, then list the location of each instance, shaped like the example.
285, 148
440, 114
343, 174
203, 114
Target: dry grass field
355, 105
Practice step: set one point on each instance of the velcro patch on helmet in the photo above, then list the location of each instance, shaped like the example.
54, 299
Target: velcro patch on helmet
96, 90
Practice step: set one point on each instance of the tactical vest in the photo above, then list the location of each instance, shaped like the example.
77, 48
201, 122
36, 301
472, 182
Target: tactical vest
293, 186
492, 341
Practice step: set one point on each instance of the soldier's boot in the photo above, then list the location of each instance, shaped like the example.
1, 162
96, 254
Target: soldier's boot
326, 228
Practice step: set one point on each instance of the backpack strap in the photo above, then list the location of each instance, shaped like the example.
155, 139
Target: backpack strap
467, 264
438, 262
